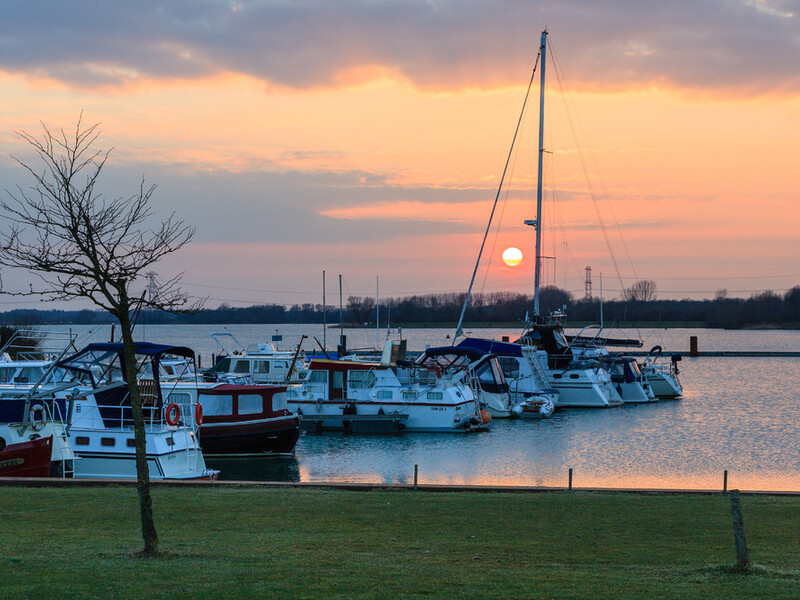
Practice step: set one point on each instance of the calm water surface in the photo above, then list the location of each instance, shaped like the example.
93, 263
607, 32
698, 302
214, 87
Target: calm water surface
739, 414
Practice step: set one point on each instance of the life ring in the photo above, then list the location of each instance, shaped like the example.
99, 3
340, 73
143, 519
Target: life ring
173, 414
198, 414
38, 424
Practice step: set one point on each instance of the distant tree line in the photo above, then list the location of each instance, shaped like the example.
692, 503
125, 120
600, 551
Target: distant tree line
766, 309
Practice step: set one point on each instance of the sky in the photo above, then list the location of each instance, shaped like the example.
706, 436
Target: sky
367, 138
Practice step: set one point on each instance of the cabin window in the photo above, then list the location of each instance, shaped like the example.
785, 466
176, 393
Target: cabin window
81, 441
261, 366
338, 380
384, 394
510, 366
182, 398
409, 395
241, 366
216, 405
251, 404
131, 443
485, 375
574, 376
435, 395
318, 376
279, 401
360, 379
556, 375
107, 441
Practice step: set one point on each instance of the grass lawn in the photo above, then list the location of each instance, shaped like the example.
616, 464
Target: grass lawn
233, 542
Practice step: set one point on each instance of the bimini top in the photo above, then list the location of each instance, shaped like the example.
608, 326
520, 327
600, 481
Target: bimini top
99, 354
491, 346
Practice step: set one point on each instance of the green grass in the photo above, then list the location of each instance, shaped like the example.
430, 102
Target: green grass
228, 542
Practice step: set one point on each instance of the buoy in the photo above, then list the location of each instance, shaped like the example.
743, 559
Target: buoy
198, 414
173, 414
485, 416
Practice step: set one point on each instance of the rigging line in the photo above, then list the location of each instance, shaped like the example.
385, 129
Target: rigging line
591, 189
494, 206
568, 100
502, 213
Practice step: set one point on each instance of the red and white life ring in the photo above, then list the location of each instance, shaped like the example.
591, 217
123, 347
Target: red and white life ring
198, 414
37, 424
173, 414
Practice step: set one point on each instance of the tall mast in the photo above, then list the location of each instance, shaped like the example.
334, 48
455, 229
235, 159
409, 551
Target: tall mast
537, 277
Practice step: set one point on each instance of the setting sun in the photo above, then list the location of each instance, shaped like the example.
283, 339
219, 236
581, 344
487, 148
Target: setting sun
512, 256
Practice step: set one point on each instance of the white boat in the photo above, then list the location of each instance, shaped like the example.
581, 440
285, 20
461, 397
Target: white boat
481, 371
364, 397
28, 409
101, 420
663, 380
531, 395
259, 363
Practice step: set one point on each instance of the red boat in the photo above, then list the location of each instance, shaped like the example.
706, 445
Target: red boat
246, 419
26, 459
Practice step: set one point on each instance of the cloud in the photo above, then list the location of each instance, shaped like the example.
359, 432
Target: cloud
748, 46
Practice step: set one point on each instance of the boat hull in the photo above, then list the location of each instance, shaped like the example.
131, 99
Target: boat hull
27, 459
373, 417
265, 436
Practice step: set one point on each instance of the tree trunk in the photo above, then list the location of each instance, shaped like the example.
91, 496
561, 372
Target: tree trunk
142, 470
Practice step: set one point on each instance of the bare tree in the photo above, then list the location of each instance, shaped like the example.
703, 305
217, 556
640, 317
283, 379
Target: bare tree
81, 244
643, 290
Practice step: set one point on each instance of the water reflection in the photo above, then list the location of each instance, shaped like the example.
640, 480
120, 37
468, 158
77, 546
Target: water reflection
256, 468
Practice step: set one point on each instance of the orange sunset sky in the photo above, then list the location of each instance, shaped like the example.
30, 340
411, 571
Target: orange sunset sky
367, 138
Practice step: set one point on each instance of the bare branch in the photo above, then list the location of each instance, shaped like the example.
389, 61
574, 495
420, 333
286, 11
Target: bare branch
80, 243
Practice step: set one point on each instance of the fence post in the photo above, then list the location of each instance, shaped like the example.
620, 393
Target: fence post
416, 473
742, 560
725, 481
570, 478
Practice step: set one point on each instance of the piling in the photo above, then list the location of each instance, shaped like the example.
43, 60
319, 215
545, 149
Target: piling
742, 560
725, 481
416, 476
570, 478
693, 345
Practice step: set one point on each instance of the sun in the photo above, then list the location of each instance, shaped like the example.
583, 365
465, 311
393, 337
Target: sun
512, 256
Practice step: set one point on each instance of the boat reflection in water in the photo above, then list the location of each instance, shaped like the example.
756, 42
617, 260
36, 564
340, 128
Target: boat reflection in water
257, 467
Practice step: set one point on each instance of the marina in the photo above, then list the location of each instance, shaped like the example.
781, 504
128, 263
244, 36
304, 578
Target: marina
738, 414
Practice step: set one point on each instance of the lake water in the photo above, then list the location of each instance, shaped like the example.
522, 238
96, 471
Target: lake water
737, 414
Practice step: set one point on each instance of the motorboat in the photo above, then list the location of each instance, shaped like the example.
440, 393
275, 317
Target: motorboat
530, 392
259, 363
29, 411
663, 379
238, 419
478, 369
101, 419
370, 397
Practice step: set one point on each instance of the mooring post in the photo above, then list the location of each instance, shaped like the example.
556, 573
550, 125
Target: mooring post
570, 478
725, 481
692, 345
742, 560
416, 474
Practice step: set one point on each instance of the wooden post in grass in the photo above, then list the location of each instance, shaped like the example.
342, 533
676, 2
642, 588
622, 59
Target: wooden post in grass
570, 478
742, 560
416, 473
725, 481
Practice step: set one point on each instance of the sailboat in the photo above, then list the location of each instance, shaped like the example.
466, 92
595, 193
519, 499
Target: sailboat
544, 348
